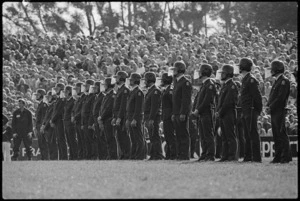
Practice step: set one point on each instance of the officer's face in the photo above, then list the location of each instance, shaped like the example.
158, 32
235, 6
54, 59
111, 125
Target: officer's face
131, 82
147, 84
223, 76
21, 104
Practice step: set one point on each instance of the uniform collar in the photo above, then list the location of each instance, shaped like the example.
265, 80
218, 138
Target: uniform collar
205, 79
280, 75
133, 88
69, 98
178, 78
119, 87
228, 80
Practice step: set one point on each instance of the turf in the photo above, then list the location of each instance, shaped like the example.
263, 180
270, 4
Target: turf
148, 179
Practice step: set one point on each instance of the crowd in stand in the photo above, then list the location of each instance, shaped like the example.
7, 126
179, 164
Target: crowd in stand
32, 63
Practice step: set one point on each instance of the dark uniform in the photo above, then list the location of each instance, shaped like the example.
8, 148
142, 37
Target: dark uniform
86, 108
49, 134
152, 111
76, 113
39, 115
193, 121
239, 129
277, 103
57, 119
134, 110
106, 114
182, 101
227, 114
22, 125
205, 107
101, 138
168, 127
119, 111
70, 129
251, 103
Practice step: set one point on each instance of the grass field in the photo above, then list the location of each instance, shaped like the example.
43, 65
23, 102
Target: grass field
148, 179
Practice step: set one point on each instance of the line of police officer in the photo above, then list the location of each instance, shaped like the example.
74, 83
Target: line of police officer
96, 122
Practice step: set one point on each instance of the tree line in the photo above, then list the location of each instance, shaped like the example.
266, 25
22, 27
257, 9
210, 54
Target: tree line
44, 17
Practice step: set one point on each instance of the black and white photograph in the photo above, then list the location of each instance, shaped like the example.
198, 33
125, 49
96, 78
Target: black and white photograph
149, 100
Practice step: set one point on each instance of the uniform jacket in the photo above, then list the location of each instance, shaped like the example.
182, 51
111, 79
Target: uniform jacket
206, 97
86, 107
134, 107
182, 97
250, 92
40, 113
69, 104
120, 101
76, 112
58, 110
22, 122
167, 104
96, 108
107, 104
279, 94
152, 104
228, 98
47, 117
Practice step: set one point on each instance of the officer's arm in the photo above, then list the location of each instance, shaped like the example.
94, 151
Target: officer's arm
139, 101
56, 112
122, 109
186, 98
206, 99
155, 104
256, 95
91, 117
283, 92
13, 123
30, 126
229, 100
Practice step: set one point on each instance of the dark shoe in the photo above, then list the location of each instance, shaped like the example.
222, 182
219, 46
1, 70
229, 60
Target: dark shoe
202, 158
13, 158
275, 160
223, 159
247, 160
209, 159
285, 160
256, 161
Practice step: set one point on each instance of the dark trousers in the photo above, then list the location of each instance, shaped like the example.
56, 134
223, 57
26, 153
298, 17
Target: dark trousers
207, 136
169, 133
182, 137
138, 141
61, 140
27, 143
101, 143
111, 139
88, 135
155, 140
281, 139
252, 149
52, 143
229, 140
241, 137
124, 140
71, 140
194, 137
81, 142
43, 145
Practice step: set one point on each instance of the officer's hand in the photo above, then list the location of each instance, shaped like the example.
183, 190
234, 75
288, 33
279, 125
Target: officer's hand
217, 114
99, 119
127, 124
182, 117
151, 123
93, 127
72, 119
81, 127
133, 123
15, 135
118, 122
29, 134
113, 122
173, 118
89, 127
196, 113
52, 125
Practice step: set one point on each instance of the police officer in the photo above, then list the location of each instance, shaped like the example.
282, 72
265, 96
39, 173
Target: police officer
119, 114
69, 125
76, 118
47, 131
251, 103
276, 106
134, 117
57, 121
167, 105
22, 130
152, 114
85, 112
101, 138
193, 128
105, 118
182, 100
204, 108
226, 111
40, 114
